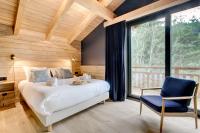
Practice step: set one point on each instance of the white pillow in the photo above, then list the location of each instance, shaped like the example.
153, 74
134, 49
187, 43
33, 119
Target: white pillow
52, 82
56, 73
39, 76
60, 73
66, 73
28, 70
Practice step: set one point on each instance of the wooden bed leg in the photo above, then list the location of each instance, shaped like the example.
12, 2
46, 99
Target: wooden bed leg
48, 129
103, 102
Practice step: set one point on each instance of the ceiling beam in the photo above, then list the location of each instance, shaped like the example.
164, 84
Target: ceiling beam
65, 6
97, 8
79, 28
84, 24
19, 16
146, 10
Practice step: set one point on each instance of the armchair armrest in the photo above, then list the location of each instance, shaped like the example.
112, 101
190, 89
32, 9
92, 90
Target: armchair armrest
154, 88
178, 98
145, 89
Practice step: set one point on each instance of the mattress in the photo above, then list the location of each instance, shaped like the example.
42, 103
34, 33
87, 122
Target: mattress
46, 100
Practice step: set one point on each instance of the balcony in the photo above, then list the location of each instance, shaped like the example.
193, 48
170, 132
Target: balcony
145, 77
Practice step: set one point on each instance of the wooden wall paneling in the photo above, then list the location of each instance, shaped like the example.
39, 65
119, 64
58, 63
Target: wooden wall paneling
110, 4
65, 6
19, 15
70, 20
6, 30
8, 10
97, 72
97, 8
38, 14
84, 24
79, 28
91, 26
32, 50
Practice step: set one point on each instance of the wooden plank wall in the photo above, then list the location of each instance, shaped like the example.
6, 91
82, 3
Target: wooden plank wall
31, 49
97, 72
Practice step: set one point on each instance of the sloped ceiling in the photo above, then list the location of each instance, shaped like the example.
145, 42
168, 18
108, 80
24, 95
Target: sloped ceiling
37, 15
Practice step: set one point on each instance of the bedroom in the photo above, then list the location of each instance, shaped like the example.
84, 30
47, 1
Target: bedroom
83, 66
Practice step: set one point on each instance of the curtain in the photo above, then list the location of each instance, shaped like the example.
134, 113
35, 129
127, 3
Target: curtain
115, 62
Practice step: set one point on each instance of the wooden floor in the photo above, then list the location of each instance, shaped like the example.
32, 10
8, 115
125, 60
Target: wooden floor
121, 117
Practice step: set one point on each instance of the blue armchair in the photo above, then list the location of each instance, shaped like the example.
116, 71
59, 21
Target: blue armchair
174, 99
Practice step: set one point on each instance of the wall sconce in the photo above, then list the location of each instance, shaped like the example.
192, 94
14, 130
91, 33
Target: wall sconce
73, 59
12, 57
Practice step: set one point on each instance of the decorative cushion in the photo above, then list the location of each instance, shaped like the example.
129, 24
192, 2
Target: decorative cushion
155, 102
174, 87
66, 73
39, 76
61, 73
55, 72
28, 70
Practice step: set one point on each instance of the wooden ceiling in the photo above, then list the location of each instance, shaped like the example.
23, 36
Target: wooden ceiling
70, 19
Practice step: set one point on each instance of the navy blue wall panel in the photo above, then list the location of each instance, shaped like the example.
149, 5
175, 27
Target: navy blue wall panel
93, 46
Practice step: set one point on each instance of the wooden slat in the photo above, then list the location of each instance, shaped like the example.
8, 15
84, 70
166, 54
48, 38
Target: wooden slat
19, 16
97, 72
8, 11
5, 30
31, 50
98, 20
78, 29
66, 4
146, 10
84, 24
97, 8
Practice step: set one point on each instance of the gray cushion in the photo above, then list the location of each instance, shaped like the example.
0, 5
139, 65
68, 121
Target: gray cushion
39, 76
66, 73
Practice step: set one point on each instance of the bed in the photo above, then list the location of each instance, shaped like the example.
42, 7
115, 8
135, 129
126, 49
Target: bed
54, 103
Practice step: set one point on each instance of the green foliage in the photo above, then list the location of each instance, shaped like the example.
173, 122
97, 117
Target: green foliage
148, 43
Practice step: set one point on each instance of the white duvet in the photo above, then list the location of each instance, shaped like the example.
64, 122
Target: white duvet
46, 99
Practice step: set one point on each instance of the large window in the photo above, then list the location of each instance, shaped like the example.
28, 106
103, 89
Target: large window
185, 44
147, 54
164, 44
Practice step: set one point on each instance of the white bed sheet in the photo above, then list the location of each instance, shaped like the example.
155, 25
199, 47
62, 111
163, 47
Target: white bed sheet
46, 99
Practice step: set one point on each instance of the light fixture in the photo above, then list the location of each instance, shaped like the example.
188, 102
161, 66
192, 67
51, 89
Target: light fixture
12, 57
73, 59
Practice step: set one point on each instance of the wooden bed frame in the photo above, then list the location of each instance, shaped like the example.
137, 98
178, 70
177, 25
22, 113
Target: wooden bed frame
47, 121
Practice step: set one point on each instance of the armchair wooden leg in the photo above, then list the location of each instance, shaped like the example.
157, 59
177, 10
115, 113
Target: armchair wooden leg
195, 113
161, 123
140, 107
162, 116
196, 121
141, 103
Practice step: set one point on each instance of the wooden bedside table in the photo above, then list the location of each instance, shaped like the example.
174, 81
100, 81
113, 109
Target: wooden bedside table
7, 94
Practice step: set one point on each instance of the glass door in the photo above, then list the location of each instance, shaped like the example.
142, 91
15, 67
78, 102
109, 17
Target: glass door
185, 45
147, 55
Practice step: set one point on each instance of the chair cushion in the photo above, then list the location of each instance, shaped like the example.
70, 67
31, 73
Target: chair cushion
174, 87
155, 102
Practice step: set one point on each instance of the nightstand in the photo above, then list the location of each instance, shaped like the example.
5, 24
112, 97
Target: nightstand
7, 94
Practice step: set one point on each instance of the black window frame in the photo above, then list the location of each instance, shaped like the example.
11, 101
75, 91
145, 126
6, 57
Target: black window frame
167, 15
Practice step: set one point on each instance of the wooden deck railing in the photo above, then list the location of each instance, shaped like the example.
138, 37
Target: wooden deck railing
154, 76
